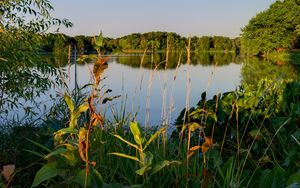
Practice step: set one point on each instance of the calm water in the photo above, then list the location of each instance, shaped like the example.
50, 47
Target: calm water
160, 95
150, 93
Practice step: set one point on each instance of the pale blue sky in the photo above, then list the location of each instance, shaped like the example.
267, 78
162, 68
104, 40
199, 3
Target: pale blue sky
191, 17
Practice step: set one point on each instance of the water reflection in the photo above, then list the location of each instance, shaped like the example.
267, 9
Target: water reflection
204, 59
255, 69
211, 72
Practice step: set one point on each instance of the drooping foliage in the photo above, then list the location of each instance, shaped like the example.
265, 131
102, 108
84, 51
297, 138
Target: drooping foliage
273, 29
21, 67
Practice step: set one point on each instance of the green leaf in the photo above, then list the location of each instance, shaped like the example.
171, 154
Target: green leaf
39, 145
80, 178
97, 178
162, 164
148, 158
153, 137
294, 178
68, 130
142, 170
69, 102
136, 132
56, 152
126, 156
82, 108
47, 172
256, 134
194, 126
99, 40
127, 142
35, 153
273, 178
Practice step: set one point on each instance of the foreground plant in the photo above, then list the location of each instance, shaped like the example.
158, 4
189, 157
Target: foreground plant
143, 157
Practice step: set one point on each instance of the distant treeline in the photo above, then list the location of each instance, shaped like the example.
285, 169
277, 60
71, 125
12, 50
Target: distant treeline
137, 42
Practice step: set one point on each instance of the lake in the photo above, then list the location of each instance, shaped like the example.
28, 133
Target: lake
159, 95
156, 92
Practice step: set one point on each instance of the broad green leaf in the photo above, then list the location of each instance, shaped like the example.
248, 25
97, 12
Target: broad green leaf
47, 172
160, 165
69, 102
142, 170
80, 178
126, 156
136, 132
153, 137
70, 158
127, 142
273, 178
294, 178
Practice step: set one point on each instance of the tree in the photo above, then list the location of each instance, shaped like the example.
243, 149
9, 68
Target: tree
23, 73
204, 43
272, 29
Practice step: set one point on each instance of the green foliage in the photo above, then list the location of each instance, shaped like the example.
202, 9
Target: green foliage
145, 158
24, 74
272, 29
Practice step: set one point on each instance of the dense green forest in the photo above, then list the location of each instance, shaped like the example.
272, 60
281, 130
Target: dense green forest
138, 42
249, 137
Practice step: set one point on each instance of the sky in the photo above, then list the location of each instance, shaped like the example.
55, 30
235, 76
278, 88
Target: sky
116, 18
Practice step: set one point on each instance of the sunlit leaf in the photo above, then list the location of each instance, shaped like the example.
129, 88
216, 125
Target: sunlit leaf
68, 130
82, 108
194, 126
136, 132
127, 142
69, 102
153, 137
99, 40
126, 156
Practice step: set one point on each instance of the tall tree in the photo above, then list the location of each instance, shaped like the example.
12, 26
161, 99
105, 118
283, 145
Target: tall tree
273, 28
22, 72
